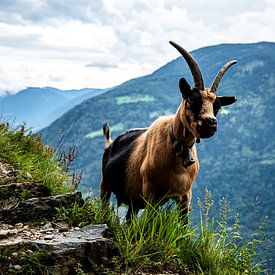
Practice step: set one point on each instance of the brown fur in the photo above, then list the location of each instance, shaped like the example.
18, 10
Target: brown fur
161, 161
153, 165
154, 172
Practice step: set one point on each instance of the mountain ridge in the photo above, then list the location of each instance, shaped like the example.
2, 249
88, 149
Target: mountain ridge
38, 107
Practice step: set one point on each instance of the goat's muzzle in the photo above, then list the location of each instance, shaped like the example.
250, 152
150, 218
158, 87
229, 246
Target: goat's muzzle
207, 127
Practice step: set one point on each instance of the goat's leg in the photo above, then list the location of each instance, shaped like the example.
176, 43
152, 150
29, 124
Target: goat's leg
105, 193
132, 210
148, 189
184, 205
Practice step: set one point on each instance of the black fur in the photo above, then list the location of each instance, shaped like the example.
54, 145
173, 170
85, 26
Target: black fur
193, 96
195, 100
115, 160
227, 100
222, 101
185, 88
216, 106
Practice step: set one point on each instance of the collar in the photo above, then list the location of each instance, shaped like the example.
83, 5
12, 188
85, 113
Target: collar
181, 149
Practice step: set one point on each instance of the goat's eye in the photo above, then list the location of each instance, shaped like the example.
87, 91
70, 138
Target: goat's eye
190, 100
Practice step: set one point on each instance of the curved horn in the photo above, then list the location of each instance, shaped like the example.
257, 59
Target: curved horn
220, 74
194, 67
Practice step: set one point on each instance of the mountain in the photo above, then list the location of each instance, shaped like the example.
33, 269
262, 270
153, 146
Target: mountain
236, 165
39, 107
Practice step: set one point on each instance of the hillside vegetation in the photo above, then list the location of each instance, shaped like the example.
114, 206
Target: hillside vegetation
32, 160
156, 242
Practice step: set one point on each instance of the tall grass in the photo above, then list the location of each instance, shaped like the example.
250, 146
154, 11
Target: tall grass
160, 241
91, 212
35, 161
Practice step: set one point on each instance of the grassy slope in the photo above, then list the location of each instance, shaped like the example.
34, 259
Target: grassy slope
155, 242
35, 161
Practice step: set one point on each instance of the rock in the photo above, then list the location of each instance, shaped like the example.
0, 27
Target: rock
7, 173
39, 208
85, 247
49, 237
4, 226
62, 226
19, 225
24, 190
9, 203
46, 226
17, 267
4, 234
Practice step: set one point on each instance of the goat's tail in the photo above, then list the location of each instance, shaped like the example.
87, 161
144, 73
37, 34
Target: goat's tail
107, 134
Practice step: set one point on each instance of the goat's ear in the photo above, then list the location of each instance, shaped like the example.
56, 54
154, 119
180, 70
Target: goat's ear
185, 88
226, 100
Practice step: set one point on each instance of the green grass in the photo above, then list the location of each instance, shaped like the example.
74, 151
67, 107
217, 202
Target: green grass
99, 133
91, 212
23, 261
127, 99
34, 160
159, 241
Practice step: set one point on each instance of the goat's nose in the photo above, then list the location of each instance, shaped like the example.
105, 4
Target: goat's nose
211, 121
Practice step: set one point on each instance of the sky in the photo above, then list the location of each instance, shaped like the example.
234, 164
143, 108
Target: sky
101, 43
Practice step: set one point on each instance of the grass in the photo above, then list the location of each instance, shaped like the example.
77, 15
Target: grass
159, 241
23, 261
127, 99
35, 161
91, 212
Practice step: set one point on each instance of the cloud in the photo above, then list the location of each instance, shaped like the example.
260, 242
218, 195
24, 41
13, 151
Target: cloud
101, 65
71, 44
46, 12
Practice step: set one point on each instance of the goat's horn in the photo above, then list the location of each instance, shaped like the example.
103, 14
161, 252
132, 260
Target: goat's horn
220, 74
194, 67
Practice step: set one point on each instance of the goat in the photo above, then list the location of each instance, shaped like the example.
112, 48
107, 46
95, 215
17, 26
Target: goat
160, 162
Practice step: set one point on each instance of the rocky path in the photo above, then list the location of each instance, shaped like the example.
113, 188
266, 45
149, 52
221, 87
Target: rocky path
31, 242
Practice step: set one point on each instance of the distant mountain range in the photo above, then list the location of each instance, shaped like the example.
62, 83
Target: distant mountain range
238, 163
39, 107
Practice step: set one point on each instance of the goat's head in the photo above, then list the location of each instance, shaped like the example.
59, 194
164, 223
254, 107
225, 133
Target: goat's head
201, 104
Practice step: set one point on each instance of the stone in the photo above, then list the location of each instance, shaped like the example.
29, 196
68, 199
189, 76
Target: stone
62, 226
85, 247
5, 226
7, 233
19, 225
24, 190
48, 237
7, 173
17, 267
39, 208
46, 226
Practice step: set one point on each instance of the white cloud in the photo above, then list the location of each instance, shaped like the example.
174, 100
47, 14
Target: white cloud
97, 43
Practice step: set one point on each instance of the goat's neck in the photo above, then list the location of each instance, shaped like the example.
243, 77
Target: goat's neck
180, 130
